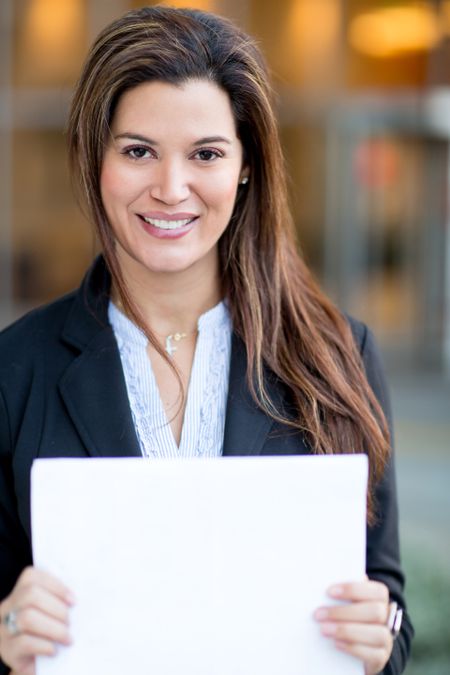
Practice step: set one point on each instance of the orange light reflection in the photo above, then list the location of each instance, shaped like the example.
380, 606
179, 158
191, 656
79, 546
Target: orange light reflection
392, 31
53, 36
205, 5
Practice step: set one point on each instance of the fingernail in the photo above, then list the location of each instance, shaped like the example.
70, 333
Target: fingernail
336, 591
341, 645
328, 629
320, 614
70, 598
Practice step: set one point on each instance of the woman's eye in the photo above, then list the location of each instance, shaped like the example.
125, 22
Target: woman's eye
207, 155
137, 152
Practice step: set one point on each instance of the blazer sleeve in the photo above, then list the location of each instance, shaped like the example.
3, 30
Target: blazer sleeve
383, 550
13, 546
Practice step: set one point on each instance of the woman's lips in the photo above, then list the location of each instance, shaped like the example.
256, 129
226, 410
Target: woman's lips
165, 226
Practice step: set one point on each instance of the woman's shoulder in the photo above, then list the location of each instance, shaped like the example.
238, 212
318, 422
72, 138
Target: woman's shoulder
360, 332
372, 361
29, 350
365, 342
36, 324
47, 322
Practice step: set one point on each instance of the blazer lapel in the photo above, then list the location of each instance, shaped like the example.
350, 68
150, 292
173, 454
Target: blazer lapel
94, 391
246, 425
93, 386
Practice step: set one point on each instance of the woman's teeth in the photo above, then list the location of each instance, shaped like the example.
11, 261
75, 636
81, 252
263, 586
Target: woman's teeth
167, 224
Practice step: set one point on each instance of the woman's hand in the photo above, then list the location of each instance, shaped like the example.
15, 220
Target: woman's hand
359, 627
34, 617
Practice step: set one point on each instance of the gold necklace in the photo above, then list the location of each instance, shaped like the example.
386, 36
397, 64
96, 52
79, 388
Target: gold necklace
168, 339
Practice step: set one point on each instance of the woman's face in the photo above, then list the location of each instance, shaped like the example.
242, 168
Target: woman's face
170, 175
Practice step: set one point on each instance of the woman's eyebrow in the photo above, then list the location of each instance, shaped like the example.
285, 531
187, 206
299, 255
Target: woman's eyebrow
212, 139
145, 139
135, 137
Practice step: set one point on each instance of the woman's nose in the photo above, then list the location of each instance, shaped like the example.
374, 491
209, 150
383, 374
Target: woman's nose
170, 183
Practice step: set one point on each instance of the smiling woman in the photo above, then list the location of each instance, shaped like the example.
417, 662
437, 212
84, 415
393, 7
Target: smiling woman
198, 331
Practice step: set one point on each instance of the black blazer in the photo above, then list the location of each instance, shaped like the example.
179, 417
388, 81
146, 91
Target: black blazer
62, 393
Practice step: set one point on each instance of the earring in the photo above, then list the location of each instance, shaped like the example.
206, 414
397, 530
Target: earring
244, 181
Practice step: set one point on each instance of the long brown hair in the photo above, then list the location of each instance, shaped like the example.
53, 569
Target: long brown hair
286, 323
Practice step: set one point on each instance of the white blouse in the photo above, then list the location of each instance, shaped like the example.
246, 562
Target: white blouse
204, 417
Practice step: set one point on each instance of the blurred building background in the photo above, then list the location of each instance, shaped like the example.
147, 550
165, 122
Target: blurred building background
364, 110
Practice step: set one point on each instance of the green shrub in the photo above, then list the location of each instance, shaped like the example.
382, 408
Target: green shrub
428, 593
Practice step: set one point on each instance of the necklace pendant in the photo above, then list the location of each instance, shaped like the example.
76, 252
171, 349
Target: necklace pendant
170, 348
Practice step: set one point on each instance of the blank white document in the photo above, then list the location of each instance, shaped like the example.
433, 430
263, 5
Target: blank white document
200, 567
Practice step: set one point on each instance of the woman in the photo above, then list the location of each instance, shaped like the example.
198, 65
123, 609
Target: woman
199, 331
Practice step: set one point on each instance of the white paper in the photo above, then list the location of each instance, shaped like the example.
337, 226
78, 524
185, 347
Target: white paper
200, 567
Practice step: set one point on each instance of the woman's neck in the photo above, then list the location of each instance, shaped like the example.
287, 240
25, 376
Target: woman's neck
172, 302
